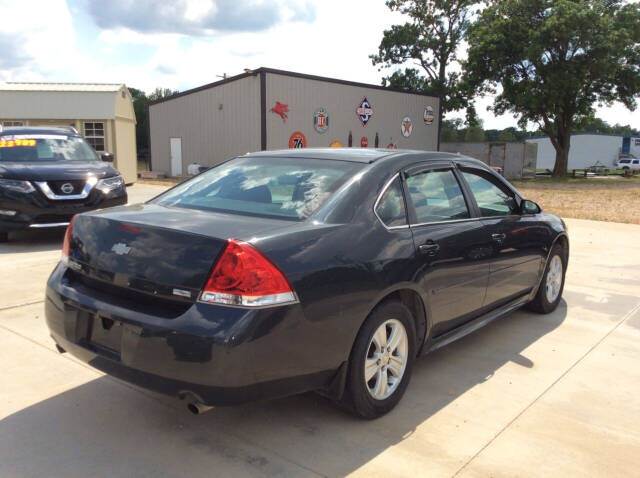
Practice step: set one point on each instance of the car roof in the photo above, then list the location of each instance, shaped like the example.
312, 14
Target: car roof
12, 130
357, 155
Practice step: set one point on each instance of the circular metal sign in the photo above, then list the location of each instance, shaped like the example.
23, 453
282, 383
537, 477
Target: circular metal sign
67, 188
407, 127
297, 140
321, 120
428, 115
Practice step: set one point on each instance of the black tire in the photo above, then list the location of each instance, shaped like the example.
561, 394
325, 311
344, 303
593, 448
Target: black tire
357, 397
4, 236
541, 303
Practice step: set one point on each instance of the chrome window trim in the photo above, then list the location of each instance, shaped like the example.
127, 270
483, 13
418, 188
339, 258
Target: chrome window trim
375, 206
46, 190
449, 221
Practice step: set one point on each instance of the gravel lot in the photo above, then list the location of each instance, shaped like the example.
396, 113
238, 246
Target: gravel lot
528, 395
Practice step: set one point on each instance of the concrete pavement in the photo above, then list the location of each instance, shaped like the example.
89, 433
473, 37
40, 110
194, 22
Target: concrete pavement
528, 395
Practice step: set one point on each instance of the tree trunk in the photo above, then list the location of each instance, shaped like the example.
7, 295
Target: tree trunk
562, 161
563, 143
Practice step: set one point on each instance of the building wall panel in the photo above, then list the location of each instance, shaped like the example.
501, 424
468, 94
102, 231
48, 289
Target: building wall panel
586, 150
214, 124
303, 96
517, 160
125, 150
56, 104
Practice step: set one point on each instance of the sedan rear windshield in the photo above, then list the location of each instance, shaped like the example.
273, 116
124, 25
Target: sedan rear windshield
49, 147
288, 188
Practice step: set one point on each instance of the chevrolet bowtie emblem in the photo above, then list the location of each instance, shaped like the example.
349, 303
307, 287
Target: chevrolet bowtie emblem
121, 248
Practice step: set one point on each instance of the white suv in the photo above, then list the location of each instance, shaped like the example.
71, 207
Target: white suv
628, 163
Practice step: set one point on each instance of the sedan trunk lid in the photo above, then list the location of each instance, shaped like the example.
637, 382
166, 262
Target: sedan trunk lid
155, 250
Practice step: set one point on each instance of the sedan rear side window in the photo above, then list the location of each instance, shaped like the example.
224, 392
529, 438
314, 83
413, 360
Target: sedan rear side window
436, 196
493, 200
390, 209
287, 188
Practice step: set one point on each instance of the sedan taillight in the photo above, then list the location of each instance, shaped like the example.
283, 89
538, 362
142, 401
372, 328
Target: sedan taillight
244, 276
67, 240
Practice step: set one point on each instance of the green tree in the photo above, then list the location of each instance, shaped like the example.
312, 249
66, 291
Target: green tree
430, 40
593, 125
140, 102
554, 59
474, 134
626, 130
450, 130
506, 135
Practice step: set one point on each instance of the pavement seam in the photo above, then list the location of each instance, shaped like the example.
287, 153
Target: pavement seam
21, 305
580, 359
160, 402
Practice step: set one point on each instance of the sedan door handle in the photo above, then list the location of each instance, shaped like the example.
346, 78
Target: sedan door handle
429, 249
498, 237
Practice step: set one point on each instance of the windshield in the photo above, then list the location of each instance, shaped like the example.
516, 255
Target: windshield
31, 148
288, 188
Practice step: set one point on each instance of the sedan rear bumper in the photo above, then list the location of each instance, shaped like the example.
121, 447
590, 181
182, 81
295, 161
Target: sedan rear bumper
222, 355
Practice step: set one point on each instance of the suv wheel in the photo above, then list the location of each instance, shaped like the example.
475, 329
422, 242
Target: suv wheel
550, 291
381, 361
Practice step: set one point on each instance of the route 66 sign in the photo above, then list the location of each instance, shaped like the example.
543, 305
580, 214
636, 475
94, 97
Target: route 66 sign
428, 115
297, 140
364, 111
321, 120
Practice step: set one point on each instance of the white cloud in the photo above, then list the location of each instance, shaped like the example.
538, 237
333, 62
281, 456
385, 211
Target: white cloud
328, 38
43, 32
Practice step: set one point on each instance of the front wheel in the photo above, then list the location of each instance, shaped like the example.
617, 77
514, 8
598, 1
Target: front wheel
552, 284
381, 361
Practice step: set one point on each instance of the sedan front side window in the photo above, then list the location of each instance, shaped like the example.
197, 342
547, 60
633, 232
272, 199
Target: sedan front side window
436, 196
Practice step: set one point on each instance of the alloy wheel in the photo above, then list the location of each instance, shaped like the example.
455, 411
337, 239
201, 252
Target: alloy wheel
554, 279
386, 359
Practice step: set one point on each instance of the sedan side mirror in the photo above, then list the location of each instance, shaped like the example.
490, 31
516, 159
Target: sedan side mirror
108, 157
530, 207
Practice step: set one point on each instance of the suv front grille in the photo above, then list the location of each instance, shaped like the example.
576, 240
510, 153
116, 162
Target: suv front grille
56, 186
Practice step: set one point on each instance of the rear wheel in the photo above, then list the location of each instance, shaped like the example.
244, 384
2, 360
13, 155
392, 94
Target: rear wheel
552, 284
381, 361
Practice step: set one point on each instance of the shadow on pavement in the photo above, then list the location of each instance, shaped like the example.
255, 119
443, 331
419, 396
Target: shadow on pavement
102, 428
33, 240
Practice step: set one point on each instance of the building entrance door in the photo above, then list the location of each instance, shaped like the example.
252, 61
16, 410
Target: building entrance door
176, 156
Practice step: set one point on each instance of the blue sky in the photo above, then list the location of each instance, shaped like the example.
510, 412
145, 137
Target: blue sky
181, 44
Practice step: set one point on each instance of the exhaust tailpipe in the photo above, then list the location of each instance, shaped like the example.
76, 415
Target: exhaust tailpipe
194, 402
198, 408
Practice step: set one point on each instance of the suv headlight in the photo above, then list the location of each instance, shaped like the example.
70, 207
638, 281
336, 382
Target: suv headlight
16, 185
109, 184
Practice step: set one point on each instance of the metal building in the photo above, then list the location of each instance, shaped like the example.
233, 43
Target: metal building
589, 149
516, 160
267, 109
102, 112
